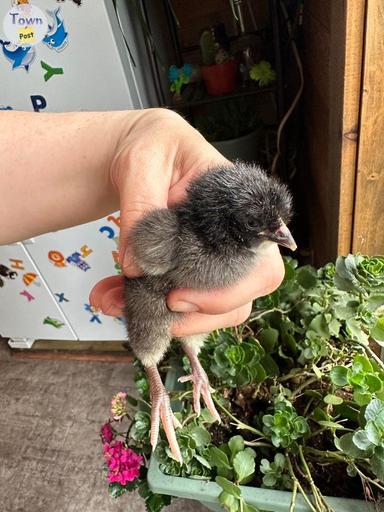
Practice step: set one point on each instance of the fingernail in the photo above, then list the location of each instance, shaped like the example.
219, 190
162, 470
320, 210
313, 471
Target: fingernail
183, 307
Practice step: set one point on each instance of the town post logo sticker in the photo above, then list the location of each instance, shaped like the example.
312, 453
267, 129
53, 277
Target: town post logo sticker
25, 25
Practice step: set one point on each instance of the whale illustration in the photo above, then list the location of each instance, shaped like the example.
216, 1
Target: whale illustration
57, 36
19, 56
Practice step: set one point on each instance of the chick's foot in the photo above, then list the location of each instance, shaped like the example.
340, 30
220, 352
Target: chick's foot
161, 410
201, 387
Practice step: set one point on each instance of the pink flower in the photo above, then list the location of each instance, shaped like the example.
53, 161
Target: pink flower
106, 433
123, 463
119, 405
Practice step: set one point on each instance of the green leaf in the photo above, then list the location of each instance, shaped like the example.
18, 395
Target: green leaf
363, 362
373, 433
307, 277
374, 410
229, 501
250, 508
218, 458
377, 463
201, 436
236, 444
355, 331
270, 366
228, 486
269, 480
155, 502
347, 445
244, 466
333, 400
319, 326
268, 338
362, 398
203, 461
377, 331
361, 440
331, 425
339, 375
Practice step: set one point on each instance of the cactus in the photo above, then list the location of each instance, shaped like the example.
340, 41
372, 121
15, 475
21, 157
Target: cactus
208, 47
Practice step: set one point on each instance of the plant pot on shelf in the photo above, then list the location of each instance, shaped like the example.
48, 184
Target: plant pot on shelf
242, 148
207, 492
220, 79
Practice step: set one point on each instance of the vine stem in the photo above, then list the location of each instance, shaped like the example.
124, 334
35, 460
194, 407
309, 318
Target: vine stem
304, 385
319, 499
258, 443
240, 425
298, 484
372, 354
294, 493
370, 480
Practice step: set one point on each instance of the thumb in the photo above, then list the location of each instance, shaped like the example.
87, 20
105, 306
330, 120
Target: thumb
142, 188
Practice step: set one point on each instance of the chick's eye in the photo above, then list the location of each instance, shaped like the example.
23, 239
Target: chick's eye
251, 223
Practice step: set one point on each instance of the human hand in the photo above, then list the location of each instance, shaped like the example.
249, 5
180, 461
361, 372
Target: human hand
157, 157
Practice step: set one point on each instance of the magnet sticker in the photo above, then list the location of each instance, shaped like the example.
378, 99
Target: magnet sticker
2, 107
77, 2
76, 259
107, 229
25, 25
94, 313
18, 56
114, 219
61, 297
15, 263
57, 258
7, 273
29, 278
57, 36
50, 71
53, 321
85, 251
28, 295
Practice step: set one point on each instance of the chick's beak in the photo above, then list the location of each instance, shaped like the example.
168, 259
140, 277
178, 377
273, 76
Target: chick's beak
283, 236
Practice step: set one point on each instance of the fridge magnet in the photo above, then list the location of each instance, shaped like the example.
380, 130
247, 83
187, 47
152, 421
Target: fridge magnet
57, 259
77, 2
107, 229
38, 102
116, 220
50, 71
28, 295
25, 25
53, 321
94, 313
61, 297
76, 259
15, 263
18, 56
29, 278
2, 107
85, 251
7, 273
95, 318
57, 36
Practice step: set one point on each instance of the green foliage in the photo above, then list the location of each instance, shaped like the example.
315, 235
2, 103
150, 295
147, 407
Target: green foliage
275, 473
285, 426
298, 385
262, 73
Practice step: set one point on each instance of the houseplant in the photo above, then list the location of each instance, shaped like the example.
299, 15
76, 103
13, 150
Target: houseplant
300, 387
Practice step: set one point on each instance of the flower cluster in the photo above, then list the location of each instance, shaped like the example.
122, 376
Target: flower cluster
123, 463
119, 405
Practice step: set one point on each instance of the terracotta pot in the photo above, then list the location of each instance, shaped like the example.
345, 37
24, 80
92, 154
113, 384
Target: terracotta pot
220, 78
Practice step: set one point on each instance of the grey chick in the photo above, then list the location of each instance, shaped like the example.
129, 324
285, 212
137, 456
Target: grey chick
210, 240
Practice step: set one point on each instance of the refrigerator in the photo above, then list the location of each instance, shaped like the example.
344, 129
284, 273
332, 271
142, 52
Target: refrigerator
93, 57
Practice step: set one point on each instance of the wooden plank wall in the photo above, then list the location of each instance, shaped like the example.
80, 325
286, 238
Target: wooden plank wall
368, 236
333, 46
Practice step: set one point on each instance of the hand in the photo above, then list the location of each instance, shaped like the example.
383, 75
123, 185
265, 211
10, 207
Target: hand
157, 157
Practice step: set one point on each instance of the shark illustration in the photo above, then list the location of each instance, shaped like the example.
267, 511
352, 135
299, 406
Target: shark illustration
50, 71
57, 37
19, 56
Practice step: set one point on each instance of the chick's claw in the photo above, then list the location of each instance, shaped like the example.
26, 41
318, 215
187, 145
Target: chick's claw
161, 410
201, 388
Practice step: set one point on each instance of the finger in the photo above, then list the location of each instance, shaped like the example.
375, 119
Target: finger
166, 418
199, 323
103, 286
264, 278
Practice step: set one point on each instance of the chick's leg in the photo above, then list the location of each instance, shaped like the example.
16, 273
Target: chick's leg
198, 377
161, 409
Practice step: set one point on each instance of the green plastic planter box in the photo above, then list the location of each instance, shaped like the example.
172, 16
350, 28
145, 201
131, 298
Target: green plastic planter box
207, 492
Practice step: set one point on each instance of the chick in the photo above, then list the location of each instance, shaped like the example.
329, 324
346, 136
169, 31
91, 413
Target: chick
210, 240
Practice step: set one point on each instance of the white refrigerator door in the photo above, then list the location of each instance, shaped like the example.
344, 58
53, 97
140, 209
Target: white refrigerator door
83, 65
72, 261
27, 307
